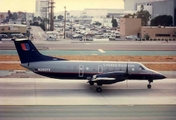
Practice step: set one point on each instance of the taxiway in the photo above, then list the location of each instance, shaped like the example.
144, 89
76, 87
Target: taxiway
45, 91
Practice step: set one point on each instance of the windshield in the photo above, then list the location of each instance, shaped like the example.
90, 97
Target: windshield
142, 67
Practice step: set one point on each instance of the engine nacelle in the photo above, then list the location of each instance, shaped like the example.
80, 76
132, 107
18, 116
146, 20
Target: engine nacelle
109, 78
101, 81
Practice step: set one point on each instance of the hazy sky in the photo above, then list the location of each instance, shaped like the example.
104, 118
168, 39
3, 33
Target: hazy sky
29, 5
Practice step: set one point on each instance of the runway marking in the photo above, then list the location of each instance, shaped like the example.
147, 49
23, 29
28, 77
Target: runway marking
101, 50
40, 34
93, 54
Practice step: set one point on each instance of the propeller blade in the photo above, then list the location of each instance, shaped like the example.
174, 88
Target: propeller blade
127, 69
127, 73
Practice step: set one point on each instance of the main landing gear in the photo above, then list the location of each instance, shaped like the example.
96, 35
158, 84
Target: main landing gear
149, 86
98, 88
91, 83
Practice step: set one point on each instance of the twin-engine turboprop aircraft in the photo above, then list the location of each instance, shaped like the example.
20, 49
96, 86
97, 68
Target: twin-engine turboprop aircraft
99, 72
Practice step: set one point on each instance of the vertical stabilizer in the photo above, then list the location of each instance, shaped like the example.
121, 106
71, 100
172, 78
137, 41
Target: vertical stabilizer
28, 53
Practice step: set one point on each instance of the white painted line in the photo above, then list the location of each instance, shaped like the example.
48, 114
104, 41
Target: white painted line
93, 54
87, 43
100, 50
101, 40
40, 34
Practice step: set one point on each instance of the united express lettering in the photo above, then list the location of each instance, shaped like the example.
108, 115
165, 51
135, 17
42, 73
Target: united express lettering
117, 65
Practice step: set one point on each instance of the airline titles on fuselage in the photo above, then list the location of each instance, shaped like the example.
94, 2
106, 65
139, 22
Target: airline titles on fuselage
117, 65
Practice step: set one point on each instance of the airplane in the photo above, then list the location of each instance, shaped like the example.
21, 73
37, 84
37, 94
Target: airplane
96, 72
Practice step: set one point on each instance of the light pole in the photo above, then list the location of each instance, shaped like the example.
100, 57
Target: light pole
52, 15
71, 27
48, 14
64, 20
51, 6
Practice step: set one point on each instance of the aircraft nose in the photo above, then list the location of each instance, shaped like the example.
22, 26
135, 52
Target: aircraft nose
162, 77
159, 76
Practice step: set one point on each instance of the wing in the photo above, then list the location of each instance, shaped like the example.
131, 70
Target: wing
109, 78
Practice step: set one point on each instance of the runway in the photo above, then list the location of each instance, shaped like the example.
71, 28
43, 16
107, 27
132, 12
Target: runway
97, 52
45, 91
107, 46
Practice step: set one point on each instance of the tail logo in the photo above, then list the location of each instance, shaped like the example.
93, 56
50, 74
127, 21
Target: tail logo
25, 46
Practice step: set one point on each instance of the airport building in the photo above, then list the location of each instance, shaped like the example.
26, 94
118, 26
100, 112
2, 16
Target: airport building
132, 26
29, 16
159, 32
3, 16
104, 16
103, 13
155, 7
13, 28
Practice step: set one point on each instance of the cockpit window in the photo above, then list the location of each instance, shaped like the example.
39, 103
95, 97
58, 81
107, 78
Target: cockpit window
141, 68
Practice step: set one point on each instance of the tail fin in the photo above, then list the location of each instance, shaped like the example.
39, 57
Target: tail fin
28, 53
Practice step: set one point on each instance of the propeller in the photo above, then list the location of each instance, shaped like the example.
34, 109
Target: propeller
127, 74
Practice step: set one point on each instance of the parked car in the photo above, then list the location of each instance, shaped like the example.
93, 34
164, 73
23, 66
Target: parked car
77, 36
106, 35
51, 35
114, 37
17, 35
132, 37
4, 37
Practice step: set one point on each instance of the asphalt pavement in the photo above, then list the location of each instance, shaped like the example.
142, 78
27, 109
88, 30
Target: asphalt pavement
111, 45
51, 99
38, 33
110, 112
46, 91
97, 52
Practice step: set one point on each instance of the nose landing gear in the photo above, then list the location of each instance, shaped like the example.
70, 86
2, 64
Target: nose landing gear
149, 86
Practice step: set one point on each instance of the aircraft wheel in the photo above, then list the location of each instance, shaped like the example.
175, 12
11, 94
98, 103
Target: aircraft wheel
99, 90
91, 83
149, 86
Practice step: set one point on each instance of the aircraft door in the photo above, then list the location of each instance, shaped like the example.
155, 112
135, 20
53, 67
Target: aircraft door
81, 70
100, 69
